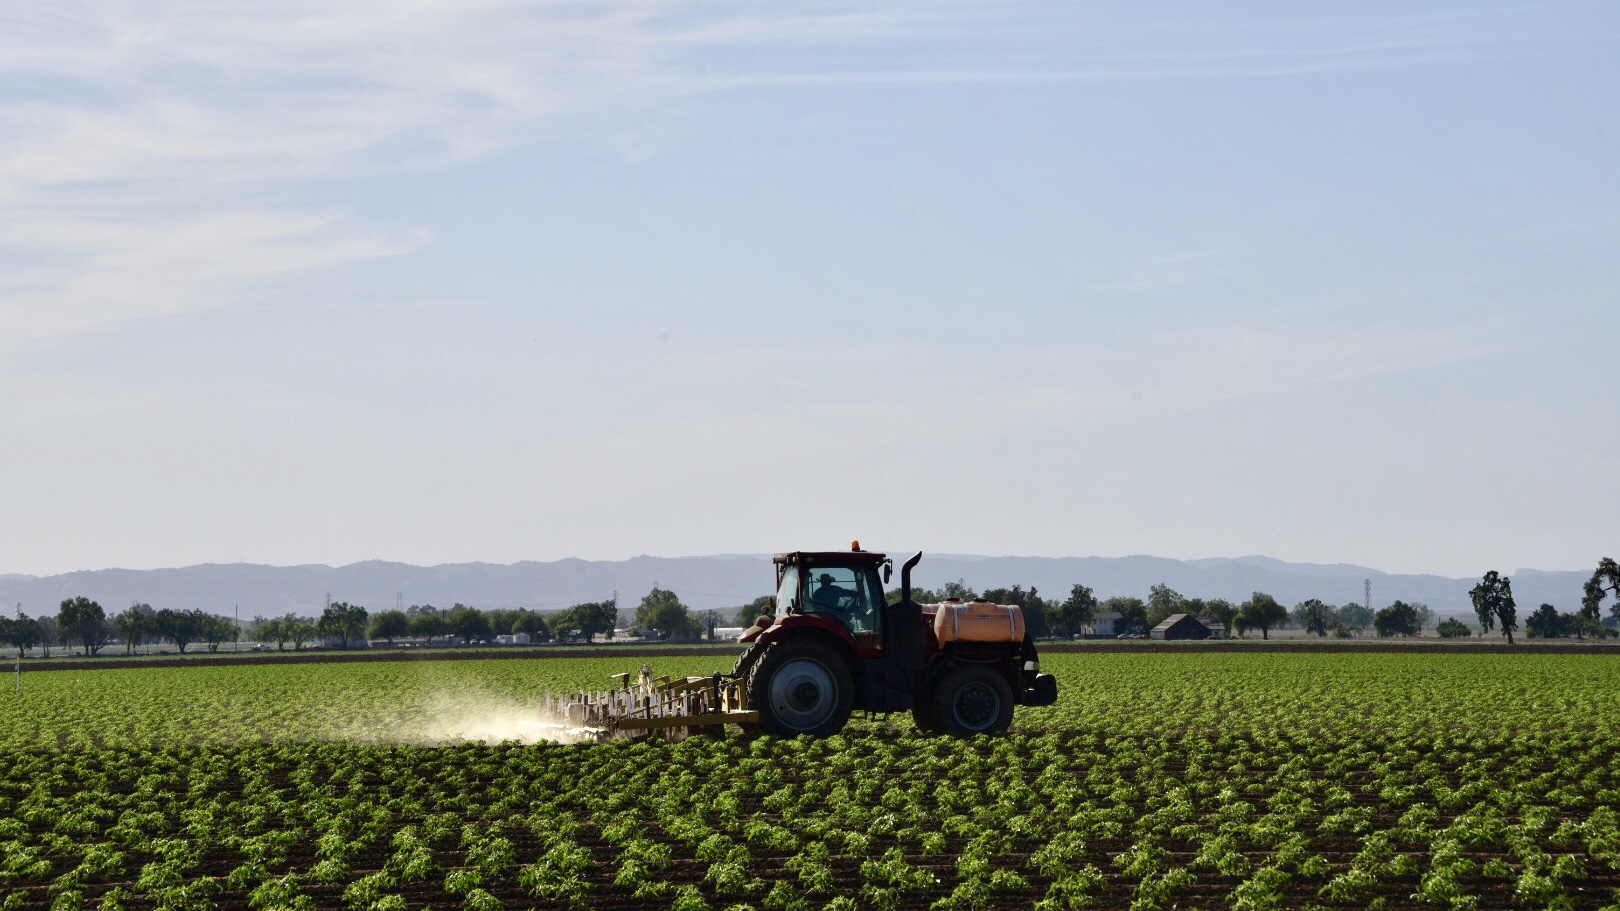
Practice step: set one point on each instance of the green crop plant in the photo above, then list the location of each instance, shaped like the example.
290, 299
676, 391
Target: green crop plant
1189, 779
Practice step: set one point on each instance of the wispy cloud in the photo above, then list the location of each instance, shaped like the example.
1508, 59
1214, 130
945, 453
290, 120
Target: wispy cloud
88, 271
144, 146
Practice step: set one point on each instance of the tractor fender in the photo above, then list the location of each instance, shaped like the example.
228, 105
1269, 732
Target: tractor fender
799, 624
943, 664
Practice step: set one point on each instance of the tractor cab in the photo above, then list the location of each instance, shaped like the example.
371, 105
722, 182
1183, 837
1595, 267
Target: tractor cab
843, 587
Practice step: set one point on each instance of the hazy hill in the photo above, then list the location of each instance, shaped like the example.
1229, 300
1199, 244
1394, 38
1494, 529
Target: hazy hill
730, 580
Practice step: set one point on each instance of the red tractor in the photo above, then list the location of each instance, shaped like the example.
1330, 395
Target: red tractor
835, 645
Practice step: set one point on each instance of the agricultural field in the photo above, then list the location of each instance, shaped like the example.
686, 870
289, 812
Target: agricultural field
1250, 781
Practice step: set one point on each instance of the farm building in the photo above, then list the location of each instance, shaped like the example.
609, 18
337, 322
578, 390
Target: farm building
1184, 626
1106, 624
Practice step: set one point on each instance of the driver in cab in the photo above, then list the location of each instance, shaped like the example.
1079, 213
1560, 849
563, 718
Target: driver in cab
830, 596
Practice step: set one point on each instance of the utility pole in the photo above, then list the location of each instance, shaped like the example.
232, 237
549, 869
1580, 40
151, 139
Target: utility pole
18, 690
236, 623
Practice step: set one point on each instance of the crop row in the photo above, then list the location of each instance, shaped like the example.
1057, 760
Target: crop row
1248, 781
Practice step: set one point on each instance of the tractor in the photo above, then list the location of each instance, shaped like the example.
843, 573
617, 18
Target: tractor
835, 645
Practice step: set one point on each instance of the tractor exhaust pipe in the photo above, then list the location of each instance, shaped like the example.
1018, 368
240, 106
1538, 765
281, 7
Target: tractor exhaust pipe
905, 575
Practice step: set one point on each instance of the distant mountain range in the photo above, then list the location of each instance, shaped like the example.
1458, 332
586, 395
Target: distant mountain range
733, 580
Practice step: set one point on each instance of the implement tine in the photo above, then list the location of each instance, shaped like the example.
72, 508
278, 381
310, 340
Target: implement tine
642, 704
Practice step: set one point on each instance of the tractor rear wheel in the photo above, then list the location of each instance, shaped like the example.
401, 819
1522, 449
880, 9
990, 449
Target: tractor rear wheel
801, 686
971, 699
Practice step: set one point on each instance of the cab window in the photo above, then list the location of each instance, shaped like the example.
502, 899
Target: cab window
788, 591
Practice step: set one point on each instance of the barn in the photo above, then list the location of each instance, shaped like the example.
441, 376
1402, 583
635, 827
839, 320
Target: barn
1180, 626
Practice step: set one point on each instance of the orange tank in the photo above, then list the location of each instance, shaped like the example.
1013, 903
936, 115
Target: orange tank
978, 621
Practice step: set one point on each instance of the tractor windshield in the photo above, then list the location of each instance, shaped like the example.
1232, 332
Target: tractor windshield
852, 594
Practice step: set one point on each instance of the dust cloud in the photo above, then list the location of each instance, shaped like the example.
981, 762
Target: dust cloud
448, 719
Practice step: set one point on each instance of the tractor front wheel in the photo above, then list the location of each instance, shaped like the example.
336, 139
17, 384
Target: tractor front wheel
971, 699
801, 687
745, 663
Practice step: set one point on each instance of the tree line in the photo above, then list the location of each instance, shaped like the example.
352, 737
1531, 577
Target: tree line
85, 623
1494, 605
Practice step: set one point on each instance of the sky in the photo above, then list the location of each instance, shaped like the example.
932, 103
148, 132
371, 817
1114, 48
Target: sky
495, 280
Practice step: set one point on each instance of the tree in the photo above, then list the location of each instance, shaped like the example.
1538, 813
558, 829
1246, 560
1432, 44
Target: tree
182, 627
1398, 619
1544, 623
763, 606
958, 590
344, 622
500, 620
663, 611
589, 618
133, 624
918, 594
21, 633
299, 629
1221, 611
83, 621
427, 622
1029, 602
1493, 603
1161, 603
1075, 613
1132, 613
389, 625
214, 629
1313, 616
1354, 616
281, 630
272, 630
1582, 626
532, 624
470, 624
1452, 628
1261, 612
1606, 578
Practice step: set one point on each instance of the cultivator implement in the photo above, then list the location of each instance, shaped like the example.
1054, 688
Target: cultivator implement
673, 707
